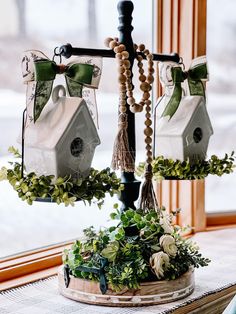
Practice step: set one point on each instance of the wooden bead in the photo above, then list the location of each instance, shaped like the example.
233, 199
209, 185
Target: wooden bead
149, 153
148, 131
130, 93
151, 70
122, 109
148, 102
145, 87
149, 160
150, 78
148, 122
142, 103
119, 55
141, 47
125, 54
148, 140
122, 103
147, 115
140, 108
122, 96
142, 78
113, 44
122, 47
146, 95
135, 47
122, 88
134, 108
141, 71
139, 58
129, 86
126, 63
148, 147
150, 63
122, 78
146, 51
149, 56
140, 64
128, 73
116, 49
107, 41
131, 101
121, 69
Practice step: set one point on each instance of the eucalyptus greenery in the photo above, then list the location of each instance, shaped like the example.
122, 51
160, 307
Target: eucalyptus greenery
65, 190
164, 168
128, 257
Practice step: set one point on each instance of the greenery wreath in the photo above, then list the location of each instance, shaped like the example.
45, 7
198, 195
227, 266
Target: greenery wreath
65, 190
164, 168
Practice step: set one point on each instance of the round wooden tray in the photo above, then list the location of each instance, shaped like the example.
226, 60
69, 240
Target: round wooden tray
150, 293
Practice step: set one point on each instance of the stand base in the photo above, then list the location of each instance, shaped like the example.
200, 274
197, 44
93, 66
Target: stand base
150, 293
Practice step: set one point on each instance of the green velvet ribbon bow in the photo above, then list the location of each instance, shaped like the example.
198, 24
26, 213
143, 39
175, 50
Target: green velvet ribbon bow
76, 75
194, 75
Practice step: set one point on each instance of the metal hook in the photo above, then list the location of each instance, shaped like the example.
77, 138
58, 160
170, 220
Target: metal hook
57, 53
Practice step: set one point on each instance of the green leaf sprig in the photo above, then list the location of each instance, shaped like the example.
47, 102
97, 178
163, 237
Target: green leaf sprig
64, 190
128, 257
164, 168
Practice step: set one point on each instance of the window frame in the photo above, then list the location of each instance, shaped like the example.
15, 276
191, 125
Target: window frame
181, 28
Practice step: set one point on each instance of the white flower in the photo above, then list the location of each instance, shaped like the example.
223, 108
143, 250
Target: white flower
167, 242
3, 173
165, 223
159, 263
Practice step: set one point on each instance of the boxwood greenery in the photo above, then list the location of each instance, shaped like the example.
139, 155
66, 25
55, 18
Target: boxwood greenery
164, 168
128, 257
65, 190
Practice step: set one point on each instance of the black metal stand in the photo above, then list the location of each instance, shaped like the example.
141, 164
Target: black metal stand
125, 8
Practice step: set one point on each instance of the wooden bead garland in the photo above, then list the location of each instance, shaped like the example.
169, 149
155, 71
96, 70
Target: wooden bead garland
148, 198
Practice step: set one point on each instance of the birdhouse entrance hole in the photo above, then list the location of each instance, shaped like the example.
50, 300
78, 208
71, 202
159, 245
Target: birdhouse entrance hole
76, 146
197, 135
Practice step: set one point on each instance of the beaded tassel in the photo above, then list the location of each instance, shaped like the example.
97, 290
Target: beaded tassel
148, 198
123, 157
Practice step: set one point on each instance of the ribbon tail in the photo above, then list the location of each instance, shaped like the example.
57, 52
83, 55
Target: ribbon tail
174, 102
74, 88
90, 97
42, 94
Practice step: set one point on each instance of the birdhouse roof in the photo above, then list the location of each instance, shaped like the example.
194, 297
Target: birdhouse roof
54, 123
184, 117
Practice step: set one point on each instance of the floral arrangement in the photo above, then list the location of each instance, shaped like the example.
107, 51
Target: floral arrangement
164, 168
142, 246
65, 190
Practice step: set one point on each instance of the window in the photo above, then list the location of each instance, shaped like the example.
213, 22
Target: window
221, 100
27, 25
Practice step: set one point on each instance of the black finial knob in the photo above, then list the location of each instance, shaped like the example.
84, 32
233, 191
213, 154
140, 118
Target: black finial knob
125, 7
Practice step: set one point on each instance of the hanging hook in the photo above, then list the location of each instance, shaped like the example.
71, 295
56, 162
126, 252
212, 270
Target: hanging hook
57, 53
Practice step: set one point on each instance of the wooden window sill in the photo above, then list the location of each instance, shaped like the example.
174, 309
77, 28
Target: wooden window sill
20, 281
30, 266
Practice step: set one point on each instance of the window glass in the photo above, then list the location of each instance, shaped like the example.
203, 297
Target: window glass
24, 24
221, 50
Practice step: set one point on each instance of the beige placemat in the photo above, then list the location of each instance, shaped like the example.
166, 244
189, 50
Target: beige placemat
42, 297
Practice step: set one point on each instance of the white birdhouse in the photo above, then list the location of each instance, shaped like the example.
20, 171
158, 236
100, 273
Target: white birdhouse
187, 133
63, 140
183, 129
